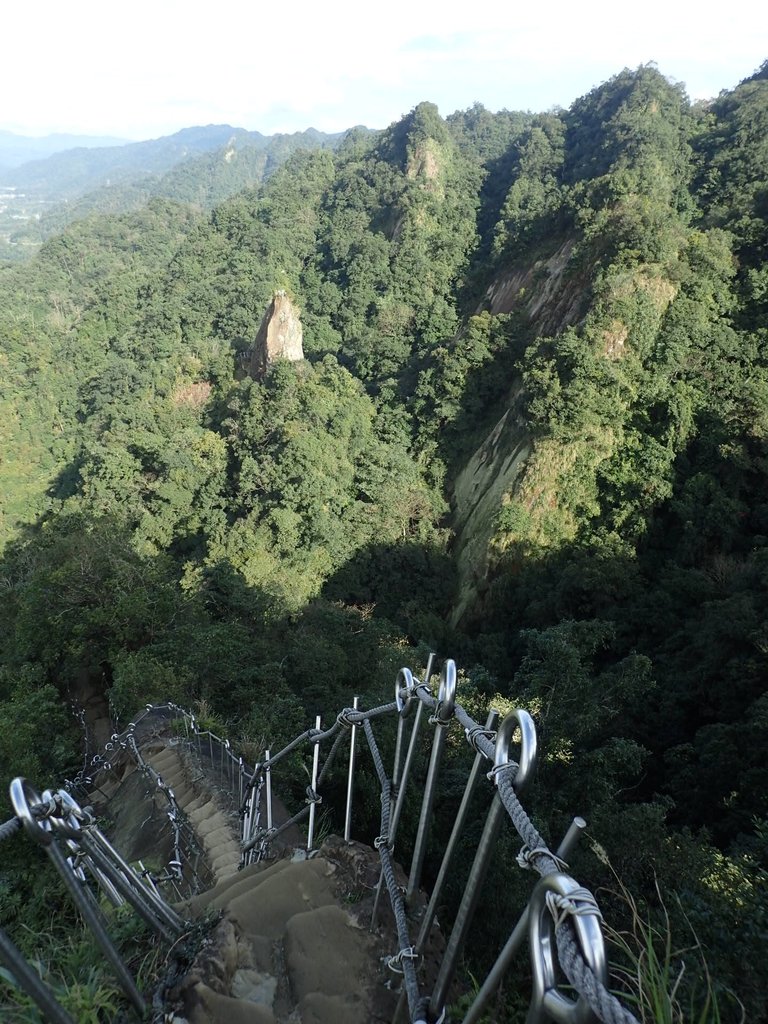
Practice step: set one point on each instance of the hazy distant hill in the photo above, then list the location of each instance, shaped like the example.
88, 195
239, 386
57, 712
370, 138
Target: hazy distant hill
71, 173
202, 165
20, 149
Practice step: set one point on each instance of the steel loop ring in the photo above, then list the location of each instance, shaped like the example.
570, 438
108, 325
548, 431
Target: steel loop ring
528, 746
65, 820
81, 814
405, 682
446, 694
25, 800
76, 869
547, 1002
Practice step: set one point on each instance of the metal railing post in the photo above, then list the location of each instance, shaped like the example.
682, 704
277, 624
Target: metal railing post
444, 712
30, 981
461, 817
315, 769
394, 820
268, 776
86, 903
518, 935
350, 776
496, 814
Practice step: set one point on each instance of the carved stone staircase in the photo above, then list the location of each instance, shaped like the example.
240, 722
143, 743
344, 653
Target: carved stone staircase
198, 800
290, 940
293, 945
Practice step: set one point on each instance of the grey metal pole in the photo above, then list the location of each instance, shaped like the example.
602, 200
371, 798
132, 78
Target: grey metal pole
162, 910
89, 908
402, 789
403, 783
148, 910
444, 713
30, 981
350, 777
519, 933
268, 772
405, 677
461, 817
468, 904
315, 769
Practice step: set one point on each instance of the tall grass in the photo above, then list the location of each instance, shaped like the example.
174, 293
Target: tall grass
661, 982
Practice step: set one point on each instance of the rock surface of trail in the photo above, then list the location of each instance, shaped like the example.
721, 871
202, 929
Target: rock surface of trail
293, 945
287, 941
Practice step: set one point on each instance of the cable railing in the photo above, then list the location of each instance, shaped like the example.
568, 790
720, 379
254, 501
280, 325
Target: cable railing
80, 852
561, 920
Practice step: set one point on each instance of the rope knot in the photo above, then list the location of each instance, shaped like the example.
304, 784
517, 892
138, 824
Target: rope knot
380, 841
408, 953
527, 857
493, 774
579, 903
436, 719
312, 796
343, 717
477, 733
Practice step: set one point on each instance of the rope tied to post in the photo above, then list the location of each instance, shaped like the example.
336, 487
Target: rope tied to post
579, 903
526, 858
312, 796
493, 774
344, 717
605, 1005
394, 963
436, 720
478, 733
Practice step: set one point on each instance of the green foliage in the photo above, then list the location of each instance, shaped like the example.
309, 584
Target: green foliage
177, 530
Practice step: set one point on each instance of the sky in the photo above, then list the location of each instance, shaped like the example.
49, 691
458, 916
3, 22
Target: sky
146, 68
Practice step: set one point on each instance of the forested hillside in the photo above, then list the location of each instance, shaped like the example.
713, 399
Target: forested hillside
200, 166
530, 432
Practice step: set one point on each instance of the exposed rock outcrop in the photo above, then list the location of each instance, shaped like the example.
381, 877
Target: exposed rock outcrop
279, 337
552, 297
493, 471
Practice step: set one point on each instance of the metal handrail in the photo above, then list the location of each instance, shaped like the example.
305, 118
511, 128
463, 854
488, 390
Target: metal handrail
561, 920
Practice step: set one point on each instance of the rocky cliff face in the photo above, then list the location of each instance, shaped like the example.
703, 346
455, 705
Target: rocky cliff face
493, 472
279, 337
552, 292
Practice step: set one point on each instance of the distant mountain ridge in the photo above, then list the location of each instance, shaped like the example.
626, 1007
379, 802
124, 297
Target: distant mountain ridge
16, 149
201, 165
69, 174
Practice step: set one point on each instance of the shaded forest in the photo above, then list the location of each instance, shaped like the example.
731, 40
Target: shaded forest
530, 433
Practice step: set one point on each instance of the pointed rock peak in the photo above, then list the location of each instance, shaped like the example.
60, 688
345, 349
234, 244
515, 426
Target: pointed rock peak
279, 337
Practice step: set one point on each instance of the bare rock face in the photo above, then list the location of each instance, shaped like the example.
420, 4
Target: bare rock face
279, 337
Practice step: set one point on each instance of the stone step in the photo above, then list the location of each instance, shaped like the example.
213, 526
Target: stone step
248, 879
291, 949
